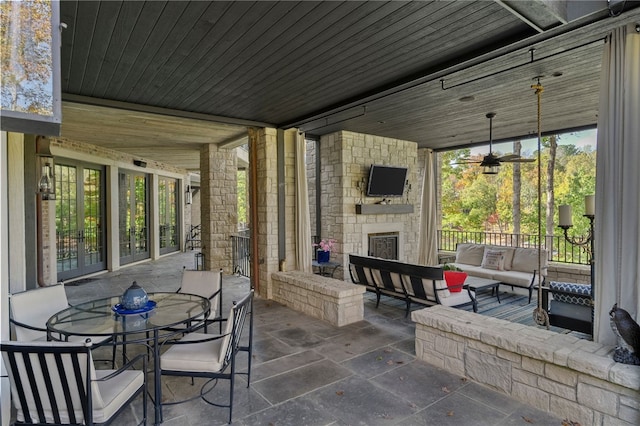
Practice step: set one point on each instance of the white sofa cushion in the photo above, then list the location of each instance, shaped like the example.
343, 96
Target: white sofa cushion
470, 254
526, 260
517, 278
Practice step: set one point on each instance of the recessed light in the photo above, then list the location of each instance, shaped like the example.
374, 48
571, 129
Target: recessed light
381, 122
557, 74
467, 98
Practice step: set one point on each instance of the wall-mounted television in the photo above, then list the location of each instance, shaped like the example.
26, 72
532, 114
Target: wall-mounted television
386, 181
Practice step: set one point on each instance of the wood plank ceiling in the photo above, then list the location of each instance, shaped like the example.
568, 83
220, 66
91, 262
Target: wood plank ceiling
214, 68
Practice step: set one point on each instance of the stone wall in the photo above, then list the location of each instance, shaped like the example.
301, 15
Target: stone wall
345, 161
573, 379
265, 144
334, 301
219, 198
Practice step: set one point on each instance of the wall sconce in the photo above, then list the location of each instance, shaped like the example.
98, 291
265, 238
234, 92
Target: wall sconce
46, 178
187, 195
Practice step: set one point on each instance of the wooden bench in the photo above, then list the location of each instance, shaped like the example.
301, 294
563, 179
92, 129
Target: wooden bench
412, 283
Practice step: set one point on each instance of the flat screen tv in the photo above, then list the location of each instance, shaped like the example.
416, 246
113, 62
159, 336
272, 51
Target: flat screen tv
386, 181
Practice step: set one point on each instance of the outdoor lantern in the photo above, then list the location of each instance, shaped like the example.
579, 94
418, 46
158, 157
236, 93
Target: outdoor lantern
46, 178
187, 195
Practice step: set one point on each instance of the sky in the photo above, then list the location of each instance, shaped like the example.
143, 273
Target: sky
580, 139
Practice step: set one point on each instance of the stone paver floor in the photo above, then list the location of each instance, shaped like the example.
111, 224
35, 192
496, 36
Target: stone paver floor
307, 372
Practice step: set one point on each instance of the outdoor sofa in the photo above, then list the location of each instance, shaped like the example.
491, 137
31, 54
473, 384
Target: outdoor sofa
514, 266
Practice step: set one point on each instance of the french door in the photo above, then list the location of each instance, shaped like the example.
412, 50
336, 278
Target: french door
133, 197
168, 214
80, 219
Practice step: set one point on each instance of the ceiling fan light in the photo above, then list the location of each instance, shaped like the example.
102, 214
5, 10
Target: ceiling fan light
490, 169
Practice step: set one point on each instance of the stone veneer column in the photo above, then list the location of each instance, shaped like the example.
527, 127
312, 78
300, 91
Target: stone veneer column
219, 206
266, 189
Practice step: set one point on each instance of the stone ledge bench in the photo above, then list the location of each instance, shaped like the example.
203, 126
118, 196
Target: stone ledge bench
338, 302
571, 378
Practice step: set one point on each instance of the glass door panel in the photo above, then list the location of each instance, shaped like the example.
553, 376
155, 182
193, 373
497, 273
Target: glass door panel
168, 214
80, 225
134, 233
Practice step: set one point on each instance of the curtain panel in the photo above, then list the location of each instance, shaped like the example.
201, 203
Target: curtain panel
303, 218
617, 227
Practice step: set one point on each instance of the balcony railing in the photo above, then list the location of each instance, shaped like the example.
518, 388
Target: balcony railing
241, 254
558, 248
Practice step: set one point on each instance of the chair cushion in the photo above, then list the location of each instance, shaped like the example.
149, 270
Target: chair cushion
581, 296
202, 356
115, 392
204, 284
35, 307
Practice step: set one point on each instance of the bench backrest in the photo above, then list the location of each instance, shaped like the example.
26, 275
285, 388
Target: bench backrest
403, 278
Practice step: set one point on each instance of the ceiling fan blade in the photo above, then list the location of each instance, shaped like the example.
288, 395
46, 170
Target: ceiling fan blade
518, 160
467, 162
508, 157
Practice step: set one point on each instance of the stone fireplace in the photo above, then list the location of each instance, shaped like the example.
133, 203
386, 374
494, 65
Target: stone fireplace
351, 217
384, 245
384, 240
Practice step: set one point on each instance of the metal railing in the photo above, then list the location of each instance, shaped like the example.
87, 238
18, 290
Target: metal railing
558, 248
193, 237
241, 255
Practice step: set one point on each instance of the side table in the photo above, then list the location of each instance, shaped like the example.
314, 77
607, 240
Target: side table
326, 269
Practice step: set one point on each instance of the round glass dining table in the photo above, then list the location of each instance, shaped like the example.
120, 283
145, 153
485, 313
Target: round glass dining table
99, 318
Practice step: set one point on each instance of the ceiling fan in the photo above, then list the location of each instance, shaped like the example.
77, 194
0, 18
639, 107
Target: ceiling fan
491, 162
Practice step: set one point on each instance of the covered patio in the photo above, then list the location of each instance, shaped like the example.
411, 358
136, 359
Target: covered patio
308, 372
164, 93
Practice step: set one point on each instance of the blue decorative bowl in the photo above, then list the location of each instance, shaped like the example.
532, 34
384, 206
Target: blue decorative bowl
134, 297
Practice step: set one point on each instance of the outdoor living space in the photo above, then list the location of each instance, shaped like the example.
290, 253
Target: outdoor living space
251, 132
308, 372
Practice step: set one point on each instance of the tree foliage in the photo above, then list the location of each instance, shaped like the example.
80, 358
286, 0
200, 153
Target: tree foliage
472, 201
25, 56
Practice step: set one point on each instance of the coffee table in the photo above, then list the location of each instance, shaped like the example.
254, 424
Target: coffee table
476, 283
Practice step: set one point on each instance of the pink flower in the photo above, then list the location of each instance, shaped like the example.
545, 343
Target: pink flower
326, 245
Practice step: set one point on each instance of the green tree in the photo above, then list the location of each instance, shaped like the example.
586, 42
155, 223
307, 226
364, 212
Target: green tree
25, 56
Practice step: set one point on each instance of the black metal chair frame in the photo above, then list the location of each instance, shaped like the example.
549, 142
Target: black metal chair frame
71, 380
228, 370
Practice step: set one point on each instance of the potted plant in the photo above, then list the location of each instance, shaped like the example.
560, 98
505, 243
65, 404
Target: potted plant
454, 277
324, 249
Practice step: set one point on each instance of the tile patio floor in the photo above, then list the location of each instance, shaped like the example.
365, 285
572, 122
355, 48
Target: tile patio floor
307, 372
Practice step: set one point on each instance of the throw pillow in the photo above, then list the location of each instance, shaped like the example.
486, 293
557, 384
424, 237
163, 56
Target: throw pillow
493, 259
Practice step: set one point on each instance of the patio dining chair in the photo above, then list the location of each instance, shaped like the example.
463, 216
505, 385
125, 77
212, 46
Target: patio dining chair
30, 310
55, 383
211, 356
205, 284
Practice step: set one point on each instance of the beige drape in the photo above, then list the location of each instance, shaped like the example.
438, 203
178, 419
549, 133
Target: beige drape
303, 218
617, 227
428, 244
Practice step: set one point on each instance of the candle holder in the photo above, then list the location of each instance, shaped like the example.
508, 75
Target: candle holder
586, 242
